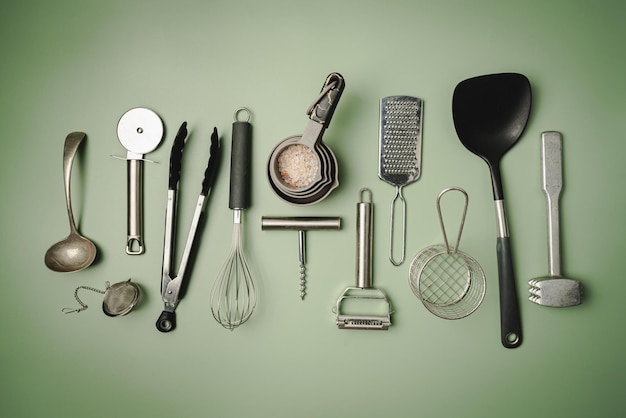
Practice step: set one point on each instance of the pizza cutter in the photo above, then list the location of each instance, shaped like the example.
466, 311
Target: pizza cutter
140, 131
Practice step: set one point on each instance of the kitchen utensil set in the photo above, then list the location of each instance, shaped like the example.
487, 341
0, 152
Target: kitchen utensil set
490, 114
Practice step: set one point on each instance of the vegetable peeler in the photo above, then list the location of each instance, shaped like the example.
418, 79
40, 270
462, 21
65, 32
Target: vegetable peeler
363, 306
171, 285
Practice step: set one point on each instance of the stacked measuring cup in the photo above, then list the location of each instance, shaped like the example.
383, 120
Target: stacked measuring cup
301, 169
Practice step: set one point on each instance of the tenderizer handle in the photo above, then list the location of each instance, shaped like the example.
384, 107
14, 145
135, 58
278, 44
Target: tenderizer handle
552, 177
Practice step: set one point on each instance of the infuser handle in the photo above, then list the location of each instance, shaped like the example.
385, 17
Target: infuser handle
240, 163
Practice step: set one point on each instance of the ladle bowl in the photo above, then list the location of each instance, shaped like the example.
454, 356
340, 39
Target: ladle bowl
75, 252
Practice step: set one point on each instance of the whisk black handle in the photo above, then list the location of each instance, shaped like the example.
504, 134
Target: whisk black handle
240, 162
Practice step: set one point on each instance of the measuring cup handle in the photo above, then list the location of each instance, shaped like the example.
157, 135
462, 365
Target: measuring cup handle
510, 322
323, 107
134, 243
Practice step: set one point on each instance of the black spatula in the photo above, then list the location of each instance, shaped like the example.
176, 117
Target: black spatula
490, 113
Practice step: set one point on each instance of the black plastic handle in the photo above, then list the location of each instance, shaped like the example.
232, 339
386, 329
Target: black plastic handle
176, 156
510, 321
240, 164
323, 108
166, 322
214, 161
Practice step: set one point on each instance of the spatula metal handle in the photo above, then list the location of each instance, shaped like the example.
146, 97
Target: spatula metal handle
552, 178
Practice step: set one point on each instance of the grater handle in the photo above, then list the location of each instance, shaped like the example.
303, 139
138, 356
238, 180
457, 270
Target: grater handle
400, 197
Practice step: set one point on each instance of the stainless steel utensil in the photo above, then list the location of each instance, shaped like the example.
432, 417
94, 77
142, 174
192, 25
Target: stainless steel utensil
171, 285
118, 300
233, 296
301, 169
490, 113
450, 283
363, 306
554, 290
399, 154
140, 131
300, 224
75, 252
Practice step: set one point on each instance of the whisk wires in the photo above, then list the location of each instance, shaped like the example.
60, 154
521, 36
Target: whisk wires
233, 297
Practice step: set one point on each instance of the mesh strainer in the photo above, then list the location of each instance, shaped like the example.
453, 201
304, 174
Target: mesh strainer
450, 283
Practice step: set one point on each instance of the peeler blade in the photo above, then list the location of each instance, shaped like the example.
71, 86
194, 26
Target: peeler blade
363, 308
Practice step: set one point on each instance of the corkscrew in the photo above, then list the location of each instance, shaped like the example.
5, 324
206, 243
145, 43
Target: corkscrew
301, 224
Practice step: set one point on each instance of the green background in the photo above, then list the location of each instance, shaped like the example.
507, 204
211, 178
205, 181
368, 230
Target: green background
79, 65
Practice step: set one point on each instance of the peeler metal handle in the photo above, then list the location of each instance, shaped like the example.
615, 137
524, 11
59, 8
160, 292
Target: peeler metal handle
364, 241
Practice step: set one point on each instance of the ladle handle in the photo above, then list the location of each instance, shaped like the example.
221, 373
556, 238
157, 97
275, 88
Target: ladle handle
240, 161
134, 243
72, 142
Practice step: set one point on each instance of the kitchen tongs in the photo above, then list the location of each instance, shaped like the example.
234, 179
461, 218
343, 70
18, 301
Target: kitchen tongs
171, 286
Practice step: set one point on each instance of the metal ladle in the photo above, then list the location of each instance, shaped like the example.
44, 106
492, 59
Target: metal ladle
75, 252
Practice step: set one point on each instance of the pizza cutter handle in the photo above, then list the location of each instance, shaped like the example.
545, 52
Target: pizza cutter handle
134, 243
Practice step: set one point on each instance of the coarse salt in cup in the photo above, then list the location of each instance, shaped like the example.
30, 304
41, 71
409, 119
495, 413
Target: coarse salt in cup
298, 166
